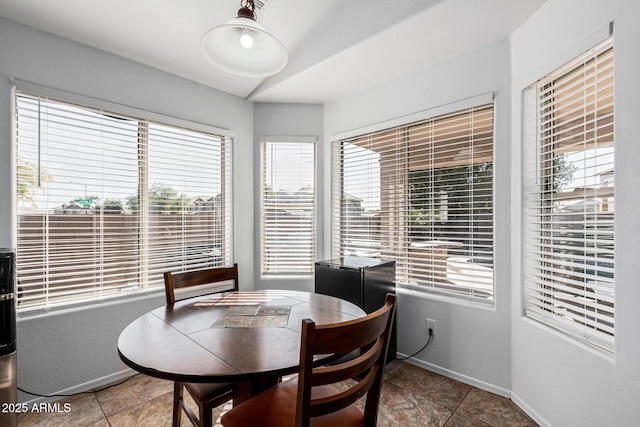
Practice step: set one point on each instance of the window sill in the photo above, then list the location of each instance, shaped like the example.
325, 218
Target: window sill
286, 276
434, 294
36, 312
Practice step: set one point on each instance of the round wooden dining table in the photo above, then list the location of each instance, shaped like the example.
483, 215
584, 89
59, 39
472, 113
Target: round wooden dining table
250, 338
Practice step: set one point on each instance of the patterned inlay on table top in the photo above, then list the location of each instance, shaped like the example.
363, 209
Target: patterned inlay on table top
254, 316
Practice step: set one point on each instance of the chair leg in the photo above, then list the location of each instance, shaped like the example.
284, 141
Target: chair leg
206, 415
177, 403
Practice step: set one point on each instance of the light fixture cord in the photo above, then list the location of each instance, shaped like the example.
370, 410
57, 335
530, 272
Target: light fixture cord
248, 4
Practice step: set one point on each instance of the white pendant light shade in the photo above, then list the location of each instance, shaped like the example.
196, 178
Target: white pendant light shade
243, 47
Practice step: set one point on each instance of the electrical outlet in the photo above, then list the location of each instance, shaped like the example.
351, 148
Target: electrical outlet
431, 324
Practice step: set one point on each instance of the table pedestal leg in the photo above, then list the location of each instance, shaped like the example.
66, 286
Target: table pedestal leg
247, 389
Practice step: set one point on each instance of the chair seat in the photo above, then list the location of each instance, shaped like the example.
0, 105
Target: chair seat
276, 407
203, 392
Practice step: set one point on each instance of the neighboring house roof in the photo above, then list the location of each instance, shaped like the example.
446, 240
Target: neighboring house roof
351, 197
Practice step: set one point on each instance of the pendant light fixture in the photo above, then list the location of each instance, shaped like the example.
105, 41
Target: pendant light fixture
243, 47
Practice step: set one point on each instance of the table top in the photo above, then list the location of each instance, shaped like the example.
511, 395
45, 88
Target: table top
230, 336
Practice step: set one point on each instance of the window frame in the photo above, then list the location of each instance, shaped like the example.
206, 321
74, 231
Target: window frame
580, 304
287, 271
468, 293
144, 119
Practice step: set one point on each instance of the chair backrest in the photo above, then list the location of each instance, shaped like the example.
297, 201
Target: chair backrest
371, 335
185, 279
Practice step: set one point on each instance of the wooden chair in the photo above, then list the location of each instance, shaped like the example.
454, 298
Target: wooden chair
185, 279
206, 396
310, 399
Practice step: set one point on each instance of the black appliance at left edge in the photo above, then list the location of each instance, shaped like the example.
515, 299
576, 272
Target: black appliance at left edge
8, 358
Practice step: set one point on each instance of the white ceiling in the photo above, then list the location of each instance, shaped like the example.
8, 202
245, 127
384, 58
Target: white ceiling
336, 47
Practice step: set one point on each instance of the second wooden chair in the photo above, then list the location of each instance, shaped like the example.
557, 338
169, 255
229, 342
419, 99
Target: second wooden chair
324, 396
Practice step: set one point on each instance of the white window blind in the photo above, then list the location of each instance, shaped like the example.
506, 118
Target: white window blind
288, 206
570, 210
107, 202
421, 193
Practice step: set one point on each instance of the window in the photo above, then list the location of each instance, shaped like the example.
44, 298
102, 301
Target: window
288, 206
108, 202
421, 193
570, 213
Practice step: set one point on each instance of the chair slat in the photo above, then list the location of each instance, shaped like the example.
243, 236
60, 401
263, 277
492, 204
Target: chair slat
185, 279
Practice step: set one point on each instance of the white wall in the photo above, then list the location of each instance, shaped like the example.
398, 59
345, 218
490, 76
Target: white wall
555, 380
288, 120
472, 343
77, 348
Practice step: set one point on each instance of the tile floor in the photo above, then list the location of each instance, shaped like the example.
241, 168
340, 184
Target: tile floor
411, 397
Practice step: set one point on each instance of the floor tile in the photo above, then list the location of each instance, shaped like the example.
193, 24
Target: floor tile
411, 397
435, 387
84, 410
402, 408
153, 413
101, 423
458, 420
137, 390
492, 409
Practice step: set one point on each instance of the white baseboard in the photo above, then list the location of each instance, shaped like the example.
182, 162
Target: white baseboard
529, 411
89, 385
481, 385
459, 377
